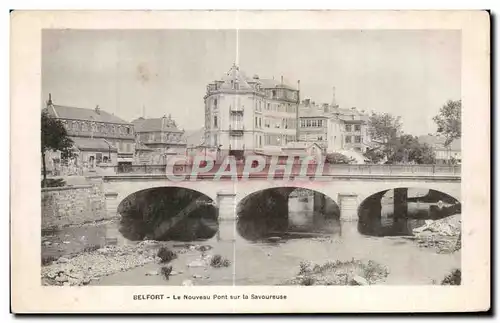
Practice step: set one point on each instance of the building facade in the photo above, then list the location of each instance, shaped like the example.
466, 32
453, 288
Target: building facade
161, 136
98, 136
246, 114
332, 128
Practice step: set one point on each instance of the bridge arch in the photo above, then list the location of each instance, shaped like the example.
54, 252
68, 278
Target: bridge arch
286, 211
168, 213
397, 211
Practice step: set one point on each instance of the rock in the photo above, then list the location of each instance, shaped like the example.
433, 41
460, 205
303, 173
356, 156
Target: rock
86, 281
62, 260
187, 282
197, 276
197, 263
152, 273
61, 279
47, 243
359, 281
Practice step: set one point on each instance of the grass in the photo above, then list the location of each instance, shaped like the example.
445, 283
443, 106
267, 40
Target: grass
454, 278
166, 255
217, 261
338, 273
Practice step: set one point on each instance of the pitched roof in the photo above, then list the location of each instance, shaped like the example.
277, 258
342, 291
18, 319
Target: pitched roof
97, 144
66, 112
271, 84
141, 146
154, 124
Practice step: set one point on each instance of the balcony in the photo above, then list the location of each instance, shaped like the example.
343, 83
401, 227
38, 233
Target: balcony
236, 109
236, 130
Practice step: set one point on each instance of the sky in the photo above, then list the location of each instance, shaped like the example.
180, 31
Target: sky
159, 72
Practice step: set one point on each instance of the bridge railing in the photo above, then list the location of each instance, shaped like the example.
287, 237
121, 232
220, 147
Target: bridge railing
311, 170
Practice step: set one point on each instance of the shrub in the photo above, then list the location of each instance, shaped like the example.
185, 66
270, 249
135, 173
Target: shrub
454, 278
47, 260
54, 182
166, 271
218, 261
338, 158
91, 248
166, 255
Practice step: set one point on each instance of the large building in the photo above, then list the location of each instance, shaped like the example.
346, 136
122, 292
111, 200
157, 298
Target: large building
249, 113
158, 138
99, 137
332, 128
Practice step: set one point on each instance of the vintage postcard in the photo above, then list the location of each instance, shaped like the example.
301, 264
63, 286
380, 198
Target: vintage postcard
250, 161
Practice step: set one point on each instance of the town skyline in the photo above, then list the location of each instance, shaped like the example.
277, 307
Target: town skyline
127, 72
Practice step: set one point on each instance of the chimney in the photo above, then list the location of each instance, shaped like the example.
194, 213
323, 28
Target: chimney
334, 99
281, 79
307, 102
353, 108
97, 109
49, 102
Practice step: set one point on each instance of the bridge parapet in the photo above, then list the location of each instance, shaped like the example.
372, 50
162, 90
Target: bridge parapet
241, 169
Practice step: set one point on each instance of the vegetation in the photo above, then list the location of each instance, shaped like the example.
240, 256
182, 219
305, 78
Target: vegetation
449, 121
393, 146
218, 261
166, 271
53, 182
91, 248
54, 138
407, 149
339, 273
454, 278
166, 255
47, 260
338, 158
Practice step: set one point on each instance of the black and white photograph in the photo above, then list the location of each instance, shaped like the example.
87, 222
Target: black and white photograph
251, 157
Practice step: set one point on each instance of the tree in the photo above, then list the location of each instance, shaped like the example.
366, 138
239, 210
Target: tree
407, 149
384, 128
449, 121
54, 137
374, 155
338, 158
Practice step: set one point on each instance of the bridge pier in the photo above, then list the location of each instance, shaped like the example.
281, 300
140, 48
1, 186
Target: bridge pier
349, 215
227, 216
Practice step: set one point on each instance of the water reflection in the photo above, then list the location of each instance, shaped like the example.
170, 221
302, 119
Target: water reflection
377, 215
287, 213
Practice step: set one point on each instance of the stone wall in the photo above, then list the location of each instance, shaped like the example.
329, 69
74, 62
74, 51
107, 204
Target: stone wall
72, 205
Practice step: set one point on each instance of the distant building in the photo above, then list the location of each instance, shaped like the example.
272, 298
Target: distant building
444, 154
99, 137
249, 113
332, 128
161, 135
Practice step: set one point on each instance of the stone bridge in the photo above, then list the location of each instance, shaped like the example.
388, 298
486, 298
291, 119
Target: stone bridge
347, 185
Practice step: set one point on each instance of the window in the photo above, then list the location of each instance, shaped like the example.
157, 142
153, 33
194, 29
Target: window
260, 141
320, 138
256, 122
308, 123
274, 93
260, 122
268, 106
347, 139
357, 127
302, 123
215, 102
357, 139
215, 122
128, 130
347, 127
